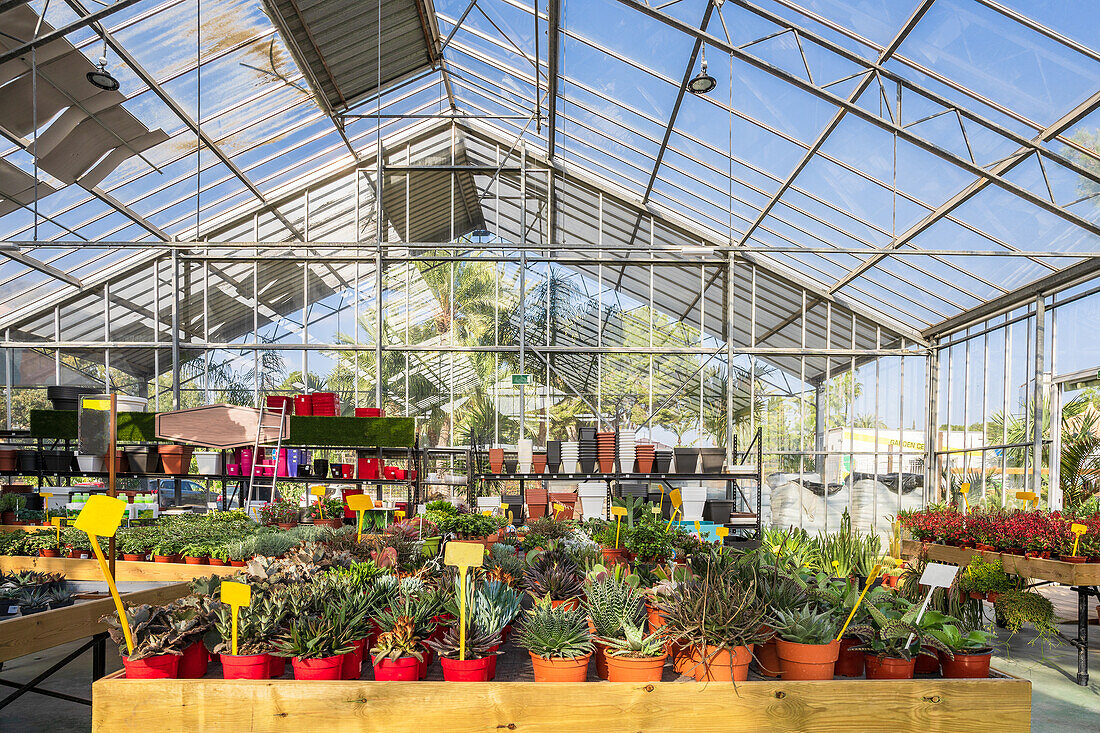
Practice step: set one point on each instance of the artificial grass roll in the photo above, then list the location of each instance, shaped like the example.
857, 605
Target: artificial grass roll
351, 432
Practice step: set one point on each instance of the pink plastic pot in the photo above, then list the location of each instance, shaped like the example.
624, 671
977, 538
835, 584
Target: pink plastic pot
161, 667
245, 666
325, 668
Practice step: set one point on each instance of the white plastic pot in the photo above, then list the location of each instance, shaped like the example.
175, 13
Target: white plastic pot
694, 498
209, 463
488, 502
593, 496
90, 464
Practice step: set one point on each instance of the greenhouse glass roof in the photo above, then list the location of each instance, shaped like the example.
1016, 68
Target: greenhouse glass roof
865, 150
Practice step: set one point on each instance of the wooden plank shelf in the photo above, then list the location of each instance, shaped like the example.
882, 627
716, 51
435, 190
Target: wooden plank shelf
1056, 571
125, 571
274, 706
24, 635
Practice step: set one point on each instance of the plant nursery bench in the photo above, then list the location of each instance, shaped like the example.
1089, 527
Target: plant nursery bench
998, 703
1084, 578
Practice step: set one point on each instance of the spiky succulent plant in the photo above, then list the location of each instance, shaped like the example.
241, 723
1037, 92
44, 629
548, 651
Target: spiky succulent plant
399, 641
555, 632
612, 603
150, 629
635, 643
804, 625
553, 576
479, 643
889, 630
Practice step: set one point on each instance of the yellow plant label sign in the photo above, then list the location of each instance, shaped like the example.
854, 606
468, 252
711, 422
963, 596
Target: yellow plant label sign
674, 497
618, 511
722, 531
1078, 529
101, 515
57, 521
697, 530
487, 512
236, 594
464, 554
359, 502
318, 490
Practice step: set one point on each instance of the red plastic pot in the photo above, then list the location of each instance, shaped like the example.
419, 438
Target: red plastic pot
965, 666
133, 558
404, 669
194, 662
276, 666
323, 668
194, 560
927, 664
245, 666
353, 662
167, 558
888, 668
422, 672
492, 660
160, 667
469, 670
849, 663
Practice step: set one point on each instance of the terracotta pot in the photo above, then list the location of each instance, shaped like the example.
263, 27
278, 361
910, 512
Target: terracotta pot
633, 669
888, 668
276, 666
568, 499
496, 460
49, 552
807, 661
721, 666
237, 563
160, 667
334, 523
613, 555
654, 618
246, 667
560, 670
849, 663
570, 604
216, 562
324, 668
166, 558
175, 458
966, 666
194, 662
8, 459
538, 463
404, 669
469, 670
1073, 558
287, 525
188, 559
767, 658
599, 654
133, 558
927, 664
681, 658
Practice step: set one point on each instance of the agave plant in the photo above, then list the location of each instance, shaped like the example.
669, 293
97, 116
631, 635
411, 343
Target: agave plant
150, 630
479, 643
890, 629
32, 596
635, 643
551, 632
399, 641
612, 604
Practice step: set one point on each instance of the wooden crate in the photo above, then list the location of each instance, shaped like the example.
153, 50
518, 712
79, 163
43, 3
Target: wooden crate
1066, 573
124, 571
275, 706
23, 635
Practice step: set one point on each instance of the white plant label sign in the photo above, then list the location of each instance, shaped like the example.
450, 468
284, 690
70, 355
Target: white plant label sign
938, 575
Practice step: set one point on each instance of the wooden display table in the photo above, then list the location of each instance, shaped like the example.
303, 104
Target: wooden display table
124, 571
1084, 578
275, 706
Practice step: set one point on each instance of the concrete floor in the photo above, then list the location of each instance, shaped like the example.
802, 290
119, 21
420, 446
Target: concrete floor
1059, 705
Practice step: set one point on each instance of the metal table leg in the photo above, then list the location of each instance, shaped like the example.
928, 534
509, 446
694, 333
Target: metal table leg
1082, 640
99, 656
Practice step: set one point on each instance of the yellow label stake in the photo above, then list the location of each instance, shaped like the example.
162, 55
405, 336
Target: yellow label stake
236, 595
463, 555
100, 517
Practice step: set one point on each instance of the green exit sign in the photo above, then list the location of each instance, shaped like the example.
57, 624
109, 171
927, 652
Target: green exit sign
520, 379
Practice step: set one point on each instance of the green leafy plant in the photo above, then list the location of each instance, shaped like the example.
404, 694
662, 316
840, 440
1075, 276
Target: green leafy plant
1015, 608
650, 542
326, 508
553, 633
981, 576
964, 641
634, 643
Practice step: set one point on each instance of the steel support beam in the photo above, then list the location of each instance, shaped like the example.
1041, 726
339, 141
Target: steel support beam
866, 115
838, 117
87, 20
973, 189
679, 100
553, 61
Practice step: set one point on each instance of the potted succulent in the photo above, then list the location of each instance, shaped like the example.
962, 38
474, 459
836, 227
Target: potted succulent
971, 652
251, 662
59, 597
315, 648
612, 604
398, 652
716, 617
634, 656
554, 577
558, 640
156, 653
189, 618
482, 647
884, 638
32, 599
806, 643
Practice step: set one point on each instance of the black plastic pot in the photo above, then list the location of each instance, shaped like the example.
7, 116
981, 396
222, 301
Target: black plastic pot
662, 461
511, 465
142, 459
553, 456
305, 470
65, 397
718, 510
61, 604
515, 505
28, 610
634, 489
687, 460
588, 465
29, 460
320, 467
712, 459
58, 461
587, 433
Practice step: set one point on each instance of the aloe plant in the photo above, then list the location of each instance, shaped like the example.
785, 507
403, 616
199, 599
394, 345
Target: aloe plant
551, 632
635, 643
612, 604
479, 643
399, 640
311, 637
889, 632
804, 625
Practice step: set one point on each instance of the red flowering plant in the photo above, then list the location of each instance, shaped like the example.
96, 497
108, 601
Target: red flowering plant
923, 524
